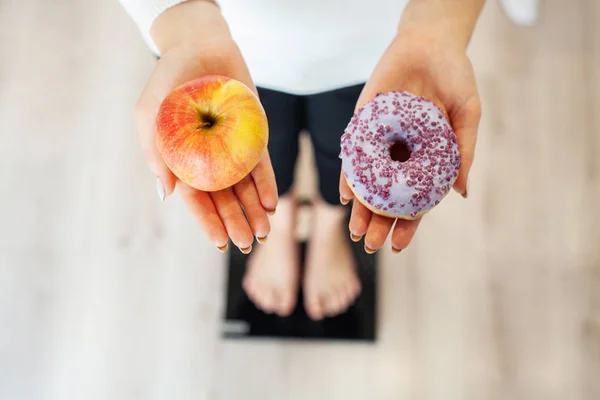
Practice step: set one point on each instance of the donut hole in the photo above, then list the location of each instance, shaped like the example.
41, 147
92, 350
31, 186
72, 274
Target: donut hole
399, 151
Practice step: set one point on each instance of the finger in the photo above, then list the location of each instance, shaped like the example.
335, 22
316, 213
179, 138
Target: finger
264, 179
359, 220
233, 218
203, 209
378, 231
465, 123
346, 193
159, 85
403, 232
247, 195
145, 121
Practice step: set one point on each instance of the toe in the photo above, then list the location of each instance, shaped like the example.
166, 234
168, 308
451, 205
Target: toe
343, 300
332, 304
345, 295
268, 301
287, 304
249, 287
258, 298
354, 288
314, 307
348, 294
347, 291
257, 293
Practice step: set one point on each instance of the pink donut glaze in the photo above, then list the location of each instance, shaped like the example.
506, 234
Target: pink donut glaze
400, 188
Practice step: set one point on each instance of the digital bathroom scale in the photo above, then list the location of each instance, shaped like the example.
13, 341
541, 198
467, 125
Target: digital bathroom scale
242, 320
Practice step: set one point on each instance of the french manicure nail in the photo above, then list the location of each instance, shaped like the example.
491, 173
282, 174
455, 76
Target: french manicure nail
354, 237
395, 250
262, 240
247, 250
223, 249
369, 250
344, 201
466, 193
160, 189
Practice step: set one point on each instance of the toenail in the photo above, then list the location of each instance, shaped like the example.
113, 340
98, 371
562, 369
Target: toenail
262, 240
395, 250
369, 250
223, 249
247, 250
354, 237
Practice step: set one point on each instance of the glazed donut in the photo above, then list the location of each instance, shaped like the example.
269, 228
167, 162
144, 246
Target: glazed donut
399, 187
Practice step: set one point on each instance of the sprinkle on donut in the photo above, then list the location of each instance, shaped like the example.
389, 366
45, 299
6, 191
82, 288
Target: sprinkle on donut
400, 188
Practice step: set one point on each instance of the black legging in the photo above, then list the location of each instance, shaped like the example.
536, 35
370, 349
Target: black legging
325, 116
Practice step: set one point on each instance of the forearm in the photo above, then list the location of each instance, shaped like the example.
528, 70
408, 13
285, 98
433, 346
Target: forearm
164, 23
452, 21
189, 23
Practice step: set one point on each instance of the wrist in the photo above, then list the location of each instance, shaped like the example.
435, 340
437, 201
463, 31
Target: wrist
188, 24
430, 39
445, 22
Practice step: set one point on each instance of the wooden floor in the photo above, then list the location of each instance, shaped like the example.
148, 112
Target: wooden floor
107, 294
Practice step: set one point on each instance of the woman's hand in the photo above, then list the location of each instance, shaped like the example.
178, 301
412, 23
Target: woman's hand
194, 41
438, 69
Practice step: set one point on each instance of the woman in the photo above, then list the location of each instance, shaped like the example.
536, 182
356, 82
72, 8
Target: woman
313, 62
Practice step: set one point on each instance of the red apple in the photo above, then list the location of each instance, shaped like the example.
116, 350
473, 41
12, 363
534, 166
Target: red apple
211, 132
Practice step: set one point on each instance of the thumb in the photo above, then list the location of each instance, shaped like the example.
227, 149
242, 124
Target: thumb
165, 179
146, 123
465, 122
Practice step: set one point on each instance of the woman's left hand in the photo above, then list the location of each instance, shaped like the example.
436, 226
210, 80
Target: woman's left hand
440, 71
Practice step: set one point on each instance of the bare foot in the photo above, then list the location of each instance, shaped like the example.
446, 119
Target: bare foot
330, 281
271, 279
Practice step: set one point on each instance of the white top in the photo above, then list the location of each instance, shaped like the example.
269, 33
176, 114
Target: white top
299, 47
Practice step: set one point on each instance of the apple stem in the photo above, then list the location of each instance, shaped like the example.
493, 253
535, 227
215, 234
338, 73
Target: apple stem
205, 124
207, 120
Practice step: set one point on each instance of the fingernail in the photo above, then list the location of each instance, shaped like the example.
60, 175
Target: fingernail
354, 237
466, 193
395, 250
223, 249
160, 189
271, 212
344, 201
247, 250
262, 240
368, 250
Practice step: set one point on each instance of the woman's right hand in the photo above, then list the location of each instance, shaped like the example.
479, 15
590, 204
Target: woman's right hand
195, 41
